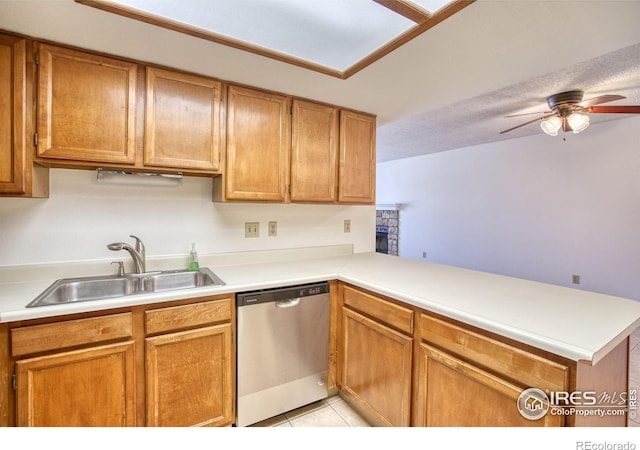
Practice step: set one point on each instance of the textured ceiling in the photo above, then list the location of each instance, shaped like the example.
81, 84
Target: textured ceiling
480, 119
450, 87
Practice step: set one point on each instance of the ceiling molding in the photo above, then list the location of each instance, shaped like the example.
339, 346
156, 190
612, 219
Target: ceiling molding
408, 36
405, 8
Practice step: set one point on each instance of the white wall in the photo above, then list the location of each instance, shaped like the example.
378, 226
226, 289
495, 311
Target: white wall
81, 217
537, 207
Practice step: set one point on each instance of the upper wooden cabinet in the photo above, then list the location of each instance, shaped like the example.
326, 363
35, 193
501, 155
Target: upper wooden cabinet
258, 146
357, 158
89, 110
314, 152
183, 123
12, 114
86, 106
18, 175
307, 152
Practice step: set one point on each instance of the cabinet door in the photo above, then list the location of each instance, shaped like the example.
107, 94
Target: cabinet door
314, 152
258, 145
182, 127
357, 158
376, 369
82, 388
452, 392
12, 115
189, 378
86, 106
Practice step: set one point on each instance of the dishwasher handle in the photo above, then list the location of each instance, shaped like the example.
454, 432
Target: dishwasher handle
289, 303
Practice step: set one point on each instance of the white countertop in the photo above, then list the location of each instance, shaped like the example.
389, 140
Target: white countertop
576, 324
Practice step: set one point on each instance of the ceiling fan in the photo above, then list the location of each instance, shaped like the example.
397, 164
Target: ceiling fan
570, 113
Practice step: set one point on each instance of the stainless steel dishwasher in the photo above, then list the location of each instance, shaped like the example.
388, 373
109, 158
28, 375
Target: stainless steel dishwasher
282, 350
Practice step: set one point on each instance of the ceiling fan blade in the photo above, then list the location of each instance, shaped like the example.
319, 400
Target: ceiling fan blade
614, 109
528, 114
527, 123
600, 100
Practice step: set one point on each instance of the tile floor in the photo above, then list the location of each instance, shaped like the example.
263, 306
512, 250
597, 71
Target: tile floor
331, 412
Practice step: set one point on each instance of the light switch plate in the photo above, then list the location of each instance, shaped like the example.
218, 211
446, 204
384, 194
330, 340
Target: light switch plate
252, 229
273, 228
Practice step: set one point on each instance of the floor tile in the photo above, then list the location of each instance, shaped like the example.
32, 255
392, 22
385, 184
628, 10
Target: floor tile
323, 417
345, 411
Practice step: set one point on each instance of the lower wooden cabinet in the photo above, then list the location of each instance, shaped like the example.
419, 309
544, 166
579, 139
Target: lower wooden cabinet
402, 366
376, 357
377, 369
189, 378
93, 387
452, 392
102, 369
189, 364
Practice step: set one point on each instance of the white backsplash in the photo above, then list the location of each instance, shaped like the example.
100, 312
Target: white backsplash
82, 216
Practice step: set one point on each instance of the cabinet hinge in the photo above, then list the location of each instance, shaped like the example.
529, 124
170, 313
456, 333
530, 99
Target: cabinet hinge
14, 383
35, 139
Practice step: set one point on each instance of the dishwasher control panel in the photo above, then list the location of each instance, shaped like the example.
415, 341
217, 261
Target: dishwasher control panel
286, 293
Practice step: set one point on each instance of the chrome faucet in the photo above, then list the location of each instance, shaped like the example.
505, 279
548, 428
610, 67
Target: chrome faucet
137, 254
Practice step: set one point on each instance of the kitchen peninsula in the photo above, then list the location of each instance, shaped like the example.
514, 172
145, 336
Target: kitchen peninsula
502, 333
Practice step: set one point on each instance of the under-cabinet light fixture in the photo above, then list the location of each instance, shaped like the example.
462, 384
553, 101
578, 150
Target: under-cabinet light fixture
139, 178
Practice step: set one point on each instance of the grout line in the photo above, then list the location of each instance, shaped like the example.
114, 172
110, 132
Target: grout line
340, 415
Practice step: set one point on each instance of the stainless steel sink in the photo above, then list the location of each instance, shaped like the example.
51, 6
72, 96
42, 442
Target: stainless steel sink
183, 279
71, 290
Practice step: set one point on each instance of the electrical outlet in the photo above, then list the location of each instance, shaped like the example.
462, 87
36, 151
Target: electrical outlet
575, 279
273, 228
347, 226
424, 255
251, 229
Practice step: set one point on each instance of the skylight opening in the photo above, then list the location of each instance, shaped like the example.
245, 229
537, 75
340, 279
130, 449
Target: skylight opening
330, 36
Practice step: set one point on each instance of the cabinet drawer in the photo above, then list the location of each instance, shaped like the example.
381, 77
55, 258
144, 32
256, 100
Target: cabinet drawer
187, 316
394, 315
526, 368
70, 333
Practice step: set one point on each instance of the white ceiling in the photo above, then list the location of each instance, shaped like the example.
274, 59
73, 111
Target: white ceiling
448, 88
307, 30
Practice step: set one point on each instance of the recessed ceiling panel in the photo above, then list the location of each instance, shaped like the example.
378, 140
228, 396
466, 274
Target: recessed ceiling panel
336, 37
329, 33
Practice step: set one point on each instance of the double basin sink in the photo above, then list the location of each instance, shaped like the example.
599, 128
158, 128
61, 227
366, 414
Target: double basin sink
71, 290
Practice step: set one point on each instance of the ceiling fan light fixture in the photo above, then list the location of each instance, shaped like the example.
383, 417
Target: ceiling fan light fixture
578, 122
551, 126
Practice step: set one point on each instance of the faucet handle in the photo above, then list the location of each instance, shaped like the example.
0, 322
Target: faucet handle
139, 244
120, 267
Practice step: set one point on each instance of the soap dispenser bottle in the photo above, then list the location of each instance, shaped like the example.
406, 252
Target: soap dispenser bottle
193, 259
